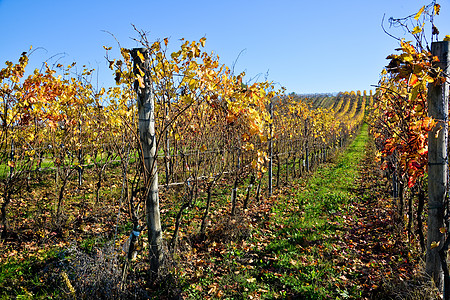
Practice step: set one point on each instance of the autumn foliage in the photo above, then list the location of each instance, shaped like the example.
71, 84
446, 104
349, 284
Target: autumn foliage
213, 128
400, 121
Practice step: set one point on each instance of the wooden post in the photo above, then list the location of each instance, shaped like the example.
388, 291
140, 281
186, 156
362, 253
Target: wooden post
11, 157
80, 162
80, 168
147, 136
306, 146
437, 165
167, 156
270, 149
394, 184
236, 182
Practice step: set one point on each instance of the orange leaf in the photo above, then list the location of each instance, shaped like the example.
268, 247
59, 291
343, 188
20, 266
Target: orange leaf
412, 79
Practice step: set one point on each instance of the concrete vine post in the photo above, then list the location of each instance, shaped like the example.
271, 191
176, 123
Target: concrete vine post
437, 167
147, 136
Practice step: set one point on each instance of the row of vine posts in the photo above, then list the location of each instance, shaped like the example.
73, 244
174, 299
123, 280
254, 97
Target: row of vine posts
310, 154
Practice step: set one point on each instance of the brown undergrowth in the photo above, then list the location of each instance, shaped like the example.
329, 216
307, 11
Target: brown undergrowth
386, 264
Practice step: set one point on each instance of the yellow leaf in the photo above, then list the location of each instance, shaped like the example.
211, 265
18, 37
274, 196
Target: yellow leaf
192, 83
156, 46
141, 81
437, 133
11, 164
107, 48
442, 230
203, 148
248, 146
202, 41
447, 38
406, 57
430, 79
416, 30
186, 99
141, 56
254, 164
166, 41
437, 8
417, 16
434, 245
30, 153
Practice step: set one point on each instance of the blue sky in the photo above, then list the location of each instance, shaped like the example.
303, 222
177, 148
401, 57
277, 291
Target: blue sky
305, 46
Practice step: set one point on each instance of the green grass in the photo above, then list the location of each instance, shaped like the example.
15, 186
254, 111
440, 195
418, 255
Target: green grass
304, 223
19, 275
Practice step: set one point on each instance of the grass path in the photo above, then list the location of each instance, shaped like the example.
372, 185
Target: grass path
335, 236
294, 247
309, 224
330, 236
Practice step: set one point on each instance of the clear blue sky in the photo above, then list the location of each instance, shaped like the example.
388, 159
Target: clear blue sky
306, 46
